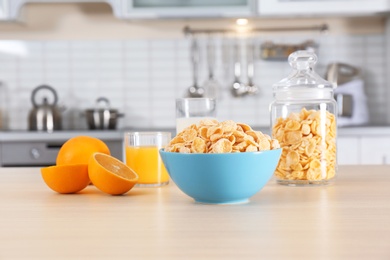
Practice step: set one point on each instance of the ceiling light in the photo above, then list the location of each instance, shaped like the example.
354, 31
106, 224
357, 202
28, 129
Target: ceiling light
242, 21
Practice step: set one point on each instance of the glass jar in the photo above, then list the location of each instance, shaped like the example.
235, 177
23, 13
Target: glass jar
303, 119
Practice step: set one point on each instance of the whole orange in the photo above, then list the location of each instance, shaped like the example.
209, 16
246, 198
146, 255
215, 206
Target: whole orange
66, 178
78, 150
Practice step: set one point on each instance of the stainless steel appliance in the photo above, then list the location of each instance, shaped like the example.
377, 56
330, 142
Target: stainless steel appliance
102, 117
27, 148
349, 94
44, 116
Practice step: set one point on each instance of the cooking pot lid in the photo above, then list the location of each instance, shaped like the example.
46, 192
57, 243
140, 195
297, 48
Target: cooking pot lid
111, 110
101, 104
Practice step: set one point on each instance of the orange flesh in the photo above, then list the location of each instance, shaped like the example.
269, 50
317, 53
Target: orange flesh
112, 166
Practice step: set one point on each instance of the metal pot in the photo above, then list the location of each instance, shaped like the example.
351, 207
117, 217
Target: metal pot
102, 117
44, 116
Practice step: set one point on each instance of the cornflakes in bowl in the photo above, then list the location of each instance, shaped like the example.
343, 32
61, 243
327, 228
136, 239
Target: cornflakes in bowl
221, 162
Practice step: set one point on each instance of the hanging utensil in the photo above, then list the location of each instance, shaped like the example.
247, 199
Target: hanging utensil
211, 85
238, 89
226, 62
195, 90
252, 89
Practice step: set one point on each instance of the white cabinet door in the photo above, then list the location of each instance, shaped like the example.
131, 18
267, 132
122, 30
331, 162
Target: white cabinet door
4, 10
152, 9
348, 150
375, 150
13, 7
321, 7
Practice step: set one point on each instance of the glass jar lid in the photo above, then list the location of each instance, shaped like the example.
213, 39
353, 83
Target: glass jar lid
303, 81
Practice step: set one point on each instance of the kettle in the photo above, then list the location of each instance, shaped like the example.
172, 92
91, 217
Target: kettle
44, 116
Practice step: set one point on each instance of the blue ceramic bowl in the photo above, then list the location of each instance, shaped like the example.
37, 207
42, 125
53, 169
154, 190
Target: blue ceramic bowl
221, 178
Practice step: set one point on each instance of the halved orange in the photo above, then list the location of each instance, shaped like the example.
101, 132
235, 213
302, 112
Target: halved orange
70, 178
110, 175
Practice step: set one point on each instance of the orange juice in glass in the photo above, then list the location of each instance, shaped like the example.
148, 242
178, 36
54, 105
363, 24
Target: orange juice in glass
142, 155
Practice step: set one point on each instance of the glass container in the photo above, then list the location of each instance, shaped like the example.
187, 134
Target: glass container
142, 155
303, 119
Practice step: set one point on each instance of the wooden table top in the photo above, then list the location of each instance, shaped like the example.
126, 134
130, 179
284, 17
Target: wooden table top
349, 219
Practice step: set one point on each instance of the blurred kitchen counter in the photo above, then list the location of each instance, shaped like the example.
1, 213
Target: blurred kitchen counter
57, 135
111, 135
351, 130
29, 148
34, 148
367, 130
19, 135
363, 130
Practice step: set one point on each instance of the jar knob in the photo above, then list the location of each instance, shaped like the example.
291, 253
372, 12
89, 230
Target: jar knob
302, 60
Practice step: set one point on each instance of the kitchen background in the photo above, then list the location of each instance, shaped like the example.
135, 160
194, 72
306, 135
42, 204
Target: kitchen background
141, 66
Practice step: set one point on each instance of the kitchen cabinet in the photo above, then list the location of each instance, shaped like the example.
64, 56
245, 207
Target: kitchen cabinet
366, 145
364, 150
321, 7
348, 151
12, 8
149, 9
375, 150
155, 9
186, 9
4, 10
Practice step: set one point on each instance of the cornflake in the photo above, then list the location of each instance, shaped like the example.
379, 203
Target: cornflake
211, 136
308, 140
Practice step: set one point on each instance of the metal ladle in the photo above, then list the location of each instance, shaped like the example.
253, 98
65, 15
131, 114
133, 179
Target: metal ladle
211, 85
251, 88
195, 90
238, 89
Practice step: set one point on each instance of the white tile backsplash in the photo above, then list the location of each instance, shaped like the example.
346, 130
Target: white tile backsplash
142, 78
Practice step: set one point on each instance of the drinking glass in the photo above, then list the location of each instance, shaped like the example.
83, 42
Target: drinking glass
142, 155
191, 110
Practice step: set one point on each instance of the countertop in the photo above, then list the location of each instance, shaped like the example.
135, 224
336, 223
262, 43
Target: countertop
349, 219
113, 135
20, 136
